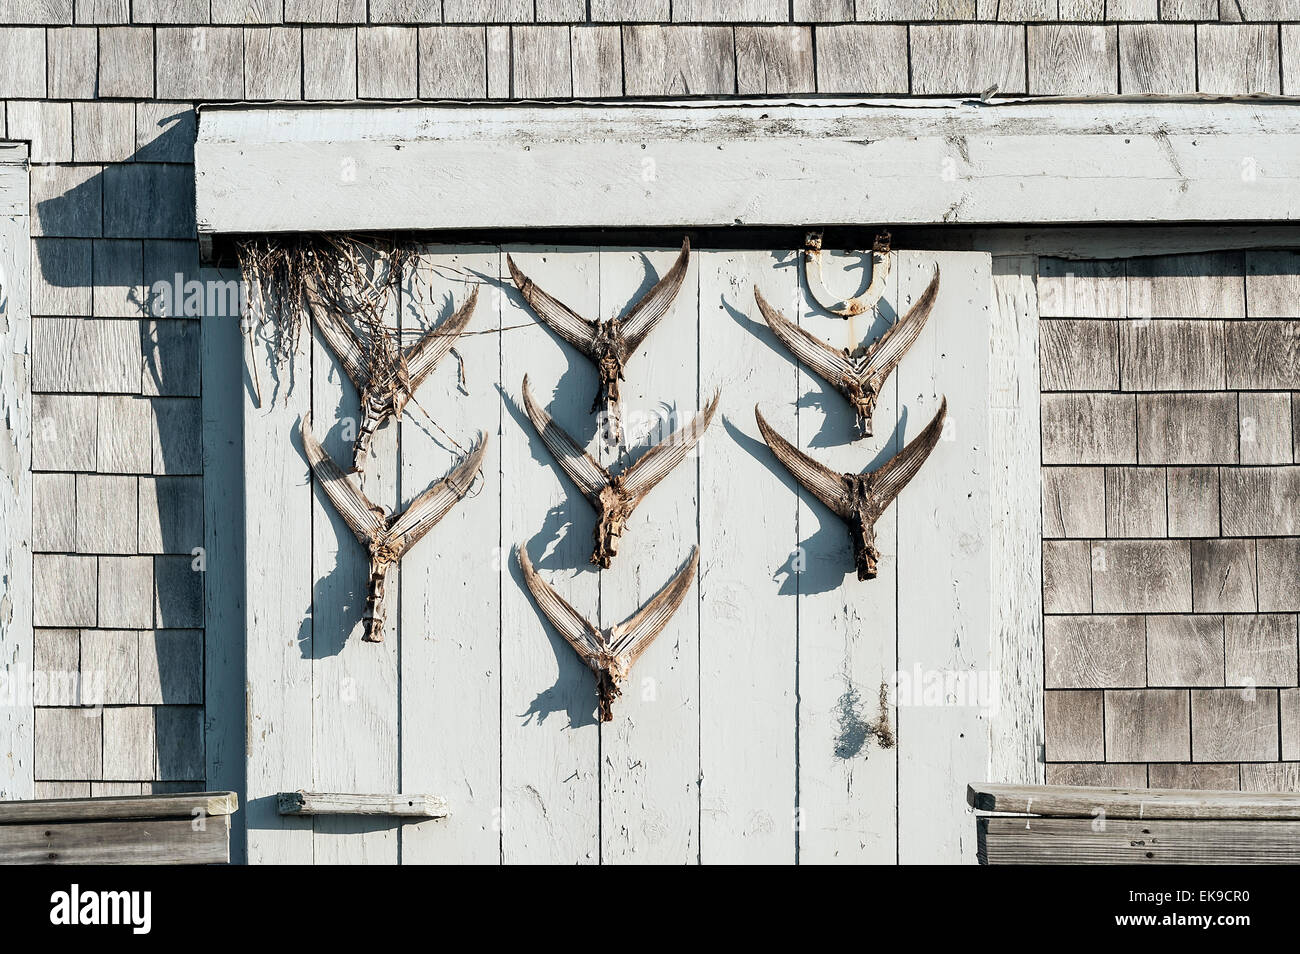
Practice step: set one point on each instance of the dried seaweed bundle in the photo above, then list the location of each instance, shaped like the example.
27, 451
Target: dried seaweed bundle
858, 374
610, 653
615, 496
858, 499
609, 344
387, 536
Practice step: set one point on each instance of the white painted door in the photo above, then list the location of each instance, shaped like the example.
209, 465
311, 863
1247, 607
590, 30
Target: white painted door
747, 733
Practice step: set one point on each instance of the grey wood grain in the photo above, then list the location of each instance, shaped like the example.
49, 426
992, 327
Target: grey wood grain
247, 11
1279, 574
487, 11
967, 58
67, 201
679, 60
1081, 10
1238, 58
47, 125
123, 440
1095, 652
1260, 501
1125, 842
178, 600
916, 10
1135, 502
1067, 580
398, 805
1261, 650
712, 11
774, 59
106, 513
1104, 774
1079, 355
63, 432
1141, 576
387, 62
177, 436
1072, 720
409, 12
171, 514
71, 51
1212, 285
171, 667
1289, 712
1234, 725
1061, 801
813, 11
1266, 427
61, 790
498, 62
103, 132
1073, 59
453, 62
1195, 10
69, 745
862, 58
54, 512
61, 276
541, 65
129, 743
273, 59
1211, 776
1089, 429
126, 591
1185, 650
165, 132
56, 656
324, 11
1263, 354
597, 61
1147, 725
86, 354
1187, 428
1074, 502
110, 666
1273, 284
179, 733
119, 266
1172, 355
171, 357
22, 50
171, 841
329, 58
1157, 58
200, 62
1275, 777
1193, 498
620, 11
63, 590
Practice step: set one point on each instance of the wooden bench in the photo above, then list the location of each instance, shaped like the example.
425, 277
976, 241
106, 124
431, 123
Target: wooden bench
1063, 824
188, 829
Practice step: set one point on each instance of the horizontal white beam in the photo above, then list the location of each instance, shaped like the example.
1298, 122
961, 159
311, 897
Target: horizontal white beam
337, 168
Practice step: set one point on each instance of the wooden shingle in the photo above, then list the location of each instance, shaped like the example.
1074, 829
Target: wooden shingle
327, 11
1079, 354
67, 201
124, 442
63, 431
1261, 650
1072, 725
106, 513
61, 276
620, 11
1172, 355
200, 62
1095, 428
126, 592
1208, 285
103, 131
1135, 502
1279, 574
71, 51
1289, 704
546, 11
57, 657
1067, 584
597, 53
272, 63
738, 11
1194, 10
180, 742
862, 57
1074, 502
1193, 497
1263, 354
103, 11
1147, 725
69, 744
1266, 427
388, 62
1141, 576
171, 357
822, 11
126, 62
165, 132
110, 666
1273, 284
1260, 501
1091, 289
1212, 776
118, 278
678, 60
1223, 576
1238, 58
1073, 59
1187, 428
329, 63
1234, 725
54, 512
423, 11
774, 59
919, 11
498, 62
1270, 777
86, 355
453, 62
129, 744
177, 436
1103, 774
541, 64
1132, 10
170, 11
247, 11
171, 514
47, 125
178, 594
1156, 58
22, 51
486, 11
171, 667
149, 200
967, 58
1185, 650
1095, 652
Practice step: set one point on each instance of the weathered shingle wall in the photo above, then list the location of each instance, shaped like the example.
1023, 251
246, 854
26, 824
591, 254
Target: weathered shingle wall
105, 89
1171, 507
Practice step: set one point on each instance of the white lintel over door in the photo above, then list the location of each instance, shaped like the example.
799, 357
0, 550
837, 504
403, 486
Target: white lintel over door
828, 162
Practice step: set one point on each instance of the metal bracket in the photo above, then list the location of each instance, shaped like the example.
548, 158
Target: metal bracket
865, 299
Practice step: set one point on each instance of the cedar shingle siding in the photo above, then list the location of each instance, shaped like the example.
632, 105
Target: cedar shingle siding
1169, 412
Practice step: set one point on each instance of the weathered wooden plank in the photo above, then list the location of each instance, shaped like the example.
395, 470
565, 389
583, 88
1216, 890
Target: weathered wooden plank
57, 656
1273, 284
329, 56
1073, 59
110, 664
550, 768
1187, 428
1072, 720
453, 62
1185, 651
1097, 773
1074, 502
1261, 650
1067, 581
1192, 494
273, 59
69, 744
451, 584
944, 565
130, 742
1095, 652
321, 803
1229, 725
967, 58
1148, 725
1096, 428
650, 753
1080, 355
124, 435
1062, 801
1171, 355
1266, 427
162, 842
748, 620
54, 512
1233, 58
1141, 576
1279, 574
678, 61
1260, 501
106, 513
172, 672
1135, 502
355, 684
541, 62
1082, 289
597, 61
1223, 576
774, 59
1263, 354
1212, 285
1221, 777
1156, 58
856, 58
1125, 842
846, 639
86, 354
126, 592
63, 590
387, 62
278, 613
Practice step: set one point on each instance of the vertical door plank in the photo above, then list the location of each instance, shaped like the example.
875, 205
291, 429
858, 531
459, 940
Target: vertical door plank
747, 589
278, 605
943, 566
550, 775
846, 625
650, 760
354, 700
451, 584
